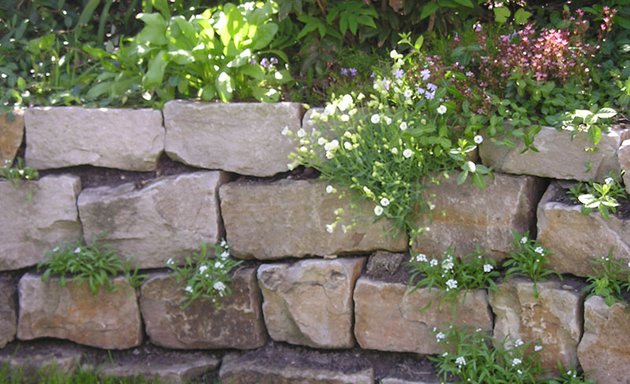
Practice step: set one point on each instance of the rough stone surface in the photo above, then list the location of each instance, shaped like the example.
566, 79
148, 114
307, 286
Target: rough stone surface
109, 320
393, 380
244, 138
8, 314
129, 139
576, 239
604, 351
237, 323
552, 320
36, 217
11, 134
310, 302
288, 218
277, 365
384, 263
624, 162
559, 157
389, 318
169, 218
32, 359
466, 216
180, 369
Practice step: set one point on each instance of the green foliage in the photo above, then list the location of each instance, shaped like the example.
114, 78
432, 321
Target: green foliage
453, 274
52, 375
92, 263
212, 55
603, 197
18, 173
569, 376
471, 358
582, 120
611, 277
528, 258
206, 276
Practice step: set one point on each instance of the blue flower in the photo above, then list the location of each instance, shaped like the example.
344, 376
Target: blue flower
425, 73
432, 87
399, 73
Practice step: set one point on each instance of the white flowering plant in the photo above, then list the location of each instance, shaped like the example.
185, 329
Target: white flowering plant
387, 145
528, 258
453, 274
206, 276
603, 197
471, 357
611, 277
94, 263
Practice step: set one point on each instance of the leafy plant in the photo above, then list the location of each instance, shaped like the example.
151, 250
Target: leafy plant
582, 120
206, 276
569, 376
92, 263
528, 258
212, 55
20, 172
453, 274
601, 196
611, 278
470, 357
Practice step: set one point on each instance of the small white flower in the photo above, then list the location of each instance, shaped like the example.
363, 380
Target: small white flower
218, 264
421, 257
321, 141
301, 132
440, 336
478, 139
394, 151
387, 120
285, 131
189, 289
487, 268
346, 103
375, 119
345, 118
332, 145
378, 210
460, 361
538, 348
203, 268
347, 145
403, 126
170, 261
330, 228
384, 202
539, 250
451, 284
77, 250
330, 189
407, 153
433, 263
447, 264
219, 286
441, 109
225, 254
609, 181
524, 240
516, 361
408, 93
518, 343
445, 354
56, 249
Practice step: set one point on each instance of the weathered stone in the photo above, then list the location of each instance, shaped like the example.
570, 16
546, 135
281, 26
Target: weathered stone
288, 218
245, 138
282, 365
168, 218
388, 317
32, 361
237, 323
129, 139
604, 351
109, 320
559, 156
179, 368
37, 216
11, 134
624, 162
8, 316
384, 263
310, 302
552, 320
576, 240
466, 216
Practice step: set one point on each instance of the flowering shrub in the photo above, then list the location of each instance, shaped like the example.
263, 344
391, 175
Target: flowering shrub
601, 196
453, 274
385, 147
528, 258
206, 276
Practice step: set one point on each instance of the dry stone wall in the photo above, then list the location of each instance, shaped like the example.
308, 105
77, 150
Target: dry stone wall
307, 305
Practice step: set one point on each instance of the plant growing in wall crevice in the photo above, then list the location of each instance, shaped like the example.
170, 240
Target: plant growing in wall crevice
528, 258
611, 277
603, 197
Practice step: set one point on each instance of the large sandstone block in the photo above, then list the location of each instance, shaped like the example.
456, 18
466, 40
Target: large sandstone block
388, 317
244, 138
237, 323
310, 302
604, 351
11, 134
559, 156
466, 216
108, 320
36, 217
288, 218
576, 239
129, 139
8, 313
553, 320
168, 218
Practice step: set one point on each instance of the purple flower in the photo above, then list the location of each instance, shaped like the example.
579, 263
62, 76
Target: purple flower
265, 63
425, 73
420, 90
350, 72
399, 73
386, 84
344, 72
432, 87
429, 95
353, 72
273, 61
477, 27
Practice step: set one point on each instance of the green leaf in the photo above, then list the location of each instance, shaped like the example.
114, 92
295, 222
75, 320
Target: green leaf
155, 72
224, 87
418, 44
465, 3
521, 16
88, 11
264, 36
154, 31
461, 178
428, 10
240, 60
501, 14
606, 113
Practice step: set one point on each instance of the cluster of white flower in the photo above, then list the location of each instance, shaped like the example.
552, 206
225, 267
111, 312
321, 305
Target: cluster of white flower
460, 361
